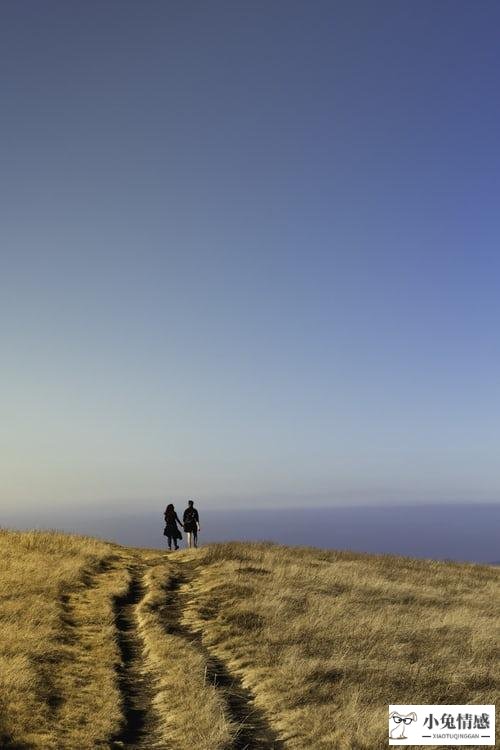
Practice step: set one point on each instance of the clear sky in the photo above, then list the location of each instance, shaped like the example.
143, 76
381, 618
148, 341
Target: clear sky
249, 251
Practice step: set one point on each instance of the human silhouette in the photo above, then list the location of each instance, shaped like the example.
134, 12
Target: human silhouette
191, 521
172, 531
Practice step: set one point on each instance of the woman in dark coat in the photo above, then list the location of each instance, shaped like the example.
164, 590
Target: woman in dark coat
172, 531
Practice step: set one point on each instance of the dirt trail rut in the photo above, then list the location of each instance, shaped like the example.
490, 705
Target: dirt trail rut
254, 732
136, 685
140, 728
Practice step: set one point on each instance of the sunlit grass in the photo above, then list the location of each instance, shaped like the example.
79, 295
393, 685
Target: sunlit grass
327, 640
57, 661
324, 641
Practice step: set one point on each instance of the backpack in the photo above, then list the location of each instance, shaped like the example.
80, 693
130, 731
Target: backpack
190, 516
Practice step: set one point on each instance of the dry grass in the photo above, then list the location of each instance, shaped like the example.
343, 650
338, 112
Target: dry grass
192, 713
60, 659
57, 648
323, 641
327, 640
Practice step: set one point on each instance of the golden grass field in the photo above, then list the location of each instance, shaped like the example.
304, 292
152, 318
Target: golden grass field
244, 646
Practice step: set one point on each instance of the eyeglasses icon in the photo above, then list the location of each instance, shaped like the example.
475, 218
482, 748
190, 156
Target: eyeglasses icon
399, 719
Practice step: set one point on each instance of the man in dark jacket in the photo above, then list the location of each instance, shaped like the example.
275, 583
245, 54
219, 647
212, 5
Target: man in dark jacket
191, 523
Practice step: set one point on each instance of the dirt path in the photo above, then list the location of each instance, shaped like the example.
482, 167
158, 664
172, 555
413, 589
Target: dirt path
135, 683
137, 680
254, 732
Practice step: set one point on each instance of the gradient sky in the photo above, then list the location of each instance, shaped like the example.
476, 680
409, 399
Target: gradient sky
249, 251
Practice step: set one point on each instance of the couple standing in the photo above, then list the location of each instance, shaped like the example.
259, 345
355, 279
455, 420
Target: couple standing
190, 523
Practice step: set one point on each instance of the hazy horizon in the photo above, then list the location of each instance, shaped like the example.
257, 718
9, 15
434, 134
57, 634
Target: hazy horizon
443, 532
249, 251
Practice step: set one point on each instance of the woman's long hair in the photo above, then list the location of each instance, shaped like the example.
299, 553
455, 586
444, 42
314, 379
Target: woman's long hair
170, 512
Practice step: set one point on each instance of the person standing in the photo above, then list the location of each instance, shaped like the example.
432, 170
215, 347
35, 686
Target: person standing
172, 531
191, 521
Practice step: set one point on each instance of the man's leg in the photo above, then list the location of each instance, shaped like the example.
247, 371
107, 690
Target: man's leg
189, 539
195, 538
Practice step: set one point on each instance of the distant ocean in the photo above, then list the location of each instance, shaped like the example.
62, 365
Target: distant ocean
443, 532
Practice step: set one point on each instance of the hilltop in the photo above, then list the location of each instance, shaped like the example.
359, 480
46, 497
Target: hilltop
233, 645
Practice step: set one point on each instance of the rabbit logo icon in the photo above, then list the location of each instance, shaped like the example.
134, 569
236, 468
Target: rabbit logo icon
400, 721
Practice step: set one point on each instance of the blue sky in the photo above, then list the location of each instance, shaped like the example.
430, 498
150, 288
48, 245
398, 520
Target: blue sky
249, 252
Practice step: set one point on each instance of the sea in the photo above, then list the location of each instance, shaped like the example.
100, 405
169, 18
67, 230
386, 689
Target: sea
462, 532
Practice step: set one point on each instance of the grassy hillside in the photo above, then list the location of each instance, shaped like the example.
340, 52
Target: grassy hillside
233, 645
